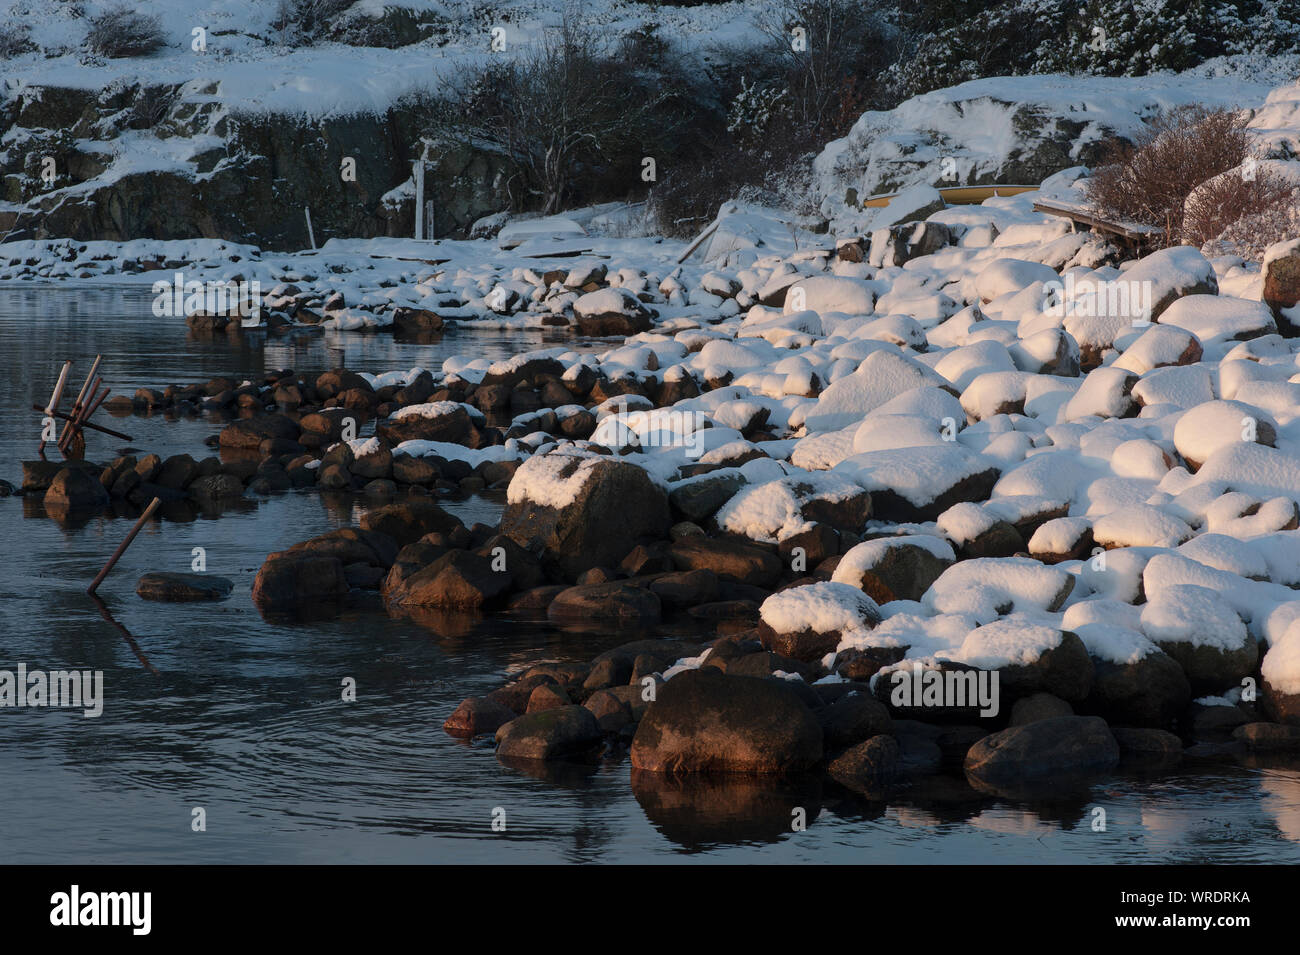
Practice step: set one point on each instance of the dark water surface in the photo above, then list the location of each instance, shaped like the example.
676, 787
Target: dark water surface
243, 716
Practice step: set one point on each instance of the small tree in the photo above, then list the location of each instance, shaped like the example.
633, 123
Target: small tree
565, 104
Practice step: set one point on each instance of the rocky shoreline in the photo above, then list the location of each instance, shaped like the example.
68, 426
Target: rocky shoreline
847, 477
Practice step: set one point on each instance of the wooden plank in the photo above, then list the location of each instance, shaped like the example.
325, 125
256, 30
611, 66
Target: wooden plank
957, 195
1142, 234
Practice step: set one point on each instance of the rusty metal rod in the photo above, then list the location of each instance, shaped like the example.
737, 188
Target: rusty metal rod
87, 424
74, 427
121, 548
76, 405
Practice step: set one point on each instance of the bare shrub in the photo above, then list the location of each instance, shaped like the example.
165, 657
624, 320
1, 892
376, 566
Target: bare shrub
304, 22
1233, 197
1148, 182
14, 40
566, 107
1255, 231
151, 106
121, 31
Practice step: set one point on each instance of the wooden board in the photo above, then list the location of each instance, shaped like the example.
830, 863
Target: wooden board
958, 195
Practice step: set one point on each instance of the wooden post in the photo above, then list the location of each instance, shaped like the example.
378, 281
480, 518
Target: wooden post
53, 404
121, 548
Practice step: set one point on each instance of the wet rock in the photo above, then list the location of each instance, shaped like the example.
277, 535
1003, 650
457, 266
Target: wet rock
167, 586
1039, 706
1268, 737
1063, 744
299, 579
853, 719
177, 472
39, 475
614, 600
548, 696
216, 487
867, 766
477, 716
409, 520
1147, 744
685, 588
1151, 691
351, 546
75, 490
457, 579
613, 507
728, 559
251, 432
705, 721
565, 731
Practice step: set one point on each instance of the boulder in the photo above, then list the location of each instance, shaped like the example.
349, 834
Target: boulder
706, 721
476, 716
1043, 749
297, 580
175, 587
75, 490
557, 733
458, 579
614, 601
583, 512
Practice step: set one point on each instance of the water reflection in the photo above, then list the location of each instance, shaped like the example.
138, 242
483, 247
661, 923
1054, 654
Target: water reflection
216, 705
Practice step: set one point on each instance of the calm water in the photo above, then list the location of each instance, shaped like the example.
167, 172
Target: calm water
212, 706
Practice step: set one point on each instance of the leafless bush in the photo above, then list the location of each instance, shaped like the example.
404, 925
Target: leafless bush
13, 40
1249, 194
1255, 231
121, 31
560, 109
1148, 182
151, 106
303, 22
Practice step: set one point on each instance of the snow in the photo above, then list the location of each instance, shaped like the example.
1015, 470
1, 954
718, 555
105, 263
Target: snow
881, 376
1185, 613
985, 587
1281, 666
552, 480
919, 474
1114, 644
772, 511
823, 607
1008, 642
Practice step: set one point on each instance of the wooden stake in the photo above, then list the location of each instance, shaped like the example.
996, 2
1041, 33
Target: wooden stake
121, 548
54, 402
